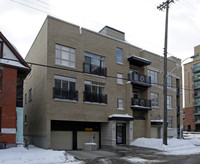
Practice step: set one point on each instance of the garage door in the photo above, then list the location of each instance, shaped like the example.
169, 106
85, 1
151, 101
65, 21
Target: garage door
155, 132
85, 137
61, 140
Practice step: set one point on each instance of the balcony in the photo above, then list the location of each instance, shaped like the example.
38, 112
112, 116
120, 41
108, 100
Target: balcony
95, 97
140, 81
196, 103
94, 69
196, 86
59, 93
141, 104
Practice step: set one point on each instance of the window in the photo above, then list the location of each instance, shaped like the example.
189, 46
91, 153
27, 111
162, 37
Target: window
154, 100
169, 102
65, 56
94, 92
94, 87
25, 119
30, 95
65, 88
169, 82
25, 98
0, 118
154, 77
94, 64
170, 120
120, 104
119, 55
119, 78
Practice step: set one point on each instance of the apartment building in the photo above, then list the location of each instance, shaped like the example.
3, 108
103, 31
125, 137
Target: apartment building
88, 86
192, 93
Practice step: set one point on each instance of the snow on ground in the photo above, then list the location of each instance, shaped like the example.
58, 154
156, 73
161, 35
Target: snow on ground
174, 147
34, 155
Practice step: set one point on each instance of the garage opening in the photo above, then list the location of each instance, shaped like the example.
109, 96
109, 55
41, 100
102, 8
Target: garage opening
68, 135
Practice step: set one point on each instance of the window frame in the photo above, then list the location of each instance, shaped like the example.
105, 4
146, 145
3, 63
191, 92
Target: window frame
1, 49
153, 97
154, 76
25, 97
30, 95
65, 79
169, 81
61, 49
170, 121
120, 104
169, 102
95, 84
119, 58
120, 79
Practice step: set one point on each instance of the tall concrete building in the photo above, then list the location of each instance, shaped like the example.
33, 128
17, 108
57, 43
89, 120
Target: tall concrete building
94, 86
192, 93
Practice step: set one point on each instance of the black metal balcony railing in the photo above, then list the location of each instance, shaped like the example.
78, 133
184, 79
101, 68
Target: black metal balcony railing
94, 97
141, 79
94, 69
65, 94
141, 103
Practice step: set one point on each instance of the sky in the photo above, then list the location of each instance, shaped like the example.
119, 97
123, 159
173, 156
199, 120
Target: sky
142, 22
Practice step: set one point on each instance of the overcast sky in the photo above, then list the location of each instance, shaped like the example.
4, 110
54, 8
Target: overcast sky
141, 21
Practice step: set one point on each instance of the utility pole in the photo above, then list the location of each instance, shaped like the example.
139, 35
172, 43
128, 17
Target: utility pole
165, 5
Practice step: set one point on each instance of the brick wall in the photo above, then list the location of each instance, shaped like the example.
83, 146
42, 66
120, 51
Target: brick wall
189, 118
8, 104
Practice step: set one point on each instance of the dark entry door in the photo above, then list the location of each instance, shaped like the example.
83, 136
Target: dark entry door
121, 133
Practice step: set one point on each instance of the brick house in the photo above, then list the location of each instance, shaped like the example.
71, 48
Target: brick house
13, 70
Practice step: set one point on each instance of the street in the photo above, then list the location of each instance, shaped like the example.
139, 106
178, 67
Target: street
132, 154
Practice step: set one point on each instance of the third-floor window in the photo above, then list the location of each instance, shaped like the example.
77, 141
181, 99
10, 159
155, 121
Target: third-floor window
65, 56
154, 77
94, 64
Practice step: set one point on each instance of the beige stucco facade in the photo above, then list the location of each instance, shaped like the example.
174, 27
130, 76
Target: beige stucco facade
43, 112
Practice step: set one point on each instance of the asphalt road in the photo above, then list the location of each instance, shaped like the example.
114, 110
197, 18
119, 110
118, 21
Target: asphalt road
123, 155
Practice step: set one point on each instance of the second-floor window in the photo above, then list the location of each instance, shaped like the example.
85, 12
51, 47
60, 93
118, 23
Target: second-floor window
0, 119
25, 97
169, 102
154, 77
65, 56
65, 88
119, 56
94, 64
154, 100
94, 92
170, 121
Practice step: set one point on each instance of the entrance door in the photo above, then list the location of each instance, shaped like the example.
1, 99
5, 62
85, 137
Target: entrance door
121, 133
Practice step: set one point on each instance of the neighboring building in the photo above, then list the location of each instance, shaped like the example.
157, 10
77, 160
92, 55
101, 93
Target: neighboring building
13, 70
192, 93
92, 83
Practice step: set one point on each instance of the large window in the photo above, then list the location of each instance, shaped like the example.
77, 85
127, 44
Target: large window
65, 56
154, 77
120, 104
94, 64
94, 92
169, 82
154, 100
65, 88
119, 56
170, 121
169, 102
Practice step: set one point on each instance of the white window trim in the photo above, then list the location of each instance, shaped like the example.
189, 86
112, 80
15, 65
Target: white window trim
120, 79
64, 78
122, 102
